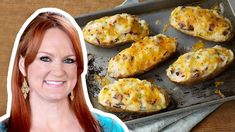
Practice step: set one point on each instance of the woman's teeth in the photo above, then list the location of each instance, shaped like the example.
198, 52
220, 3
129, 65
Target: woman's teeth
54, 82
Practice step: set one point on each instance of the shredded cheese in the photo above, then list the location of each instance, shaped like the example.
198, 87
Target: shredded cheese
102, 81
217, 91
158, 22
198, 45
219, 83
166, 26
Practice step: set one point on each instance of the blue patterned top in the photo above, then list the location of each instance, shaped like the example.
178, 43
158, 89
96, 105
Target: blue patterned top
107, 124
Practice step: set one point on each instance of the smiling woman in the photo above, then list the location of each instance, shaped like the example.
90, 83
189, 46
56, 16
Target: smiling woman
51, 75
47, 93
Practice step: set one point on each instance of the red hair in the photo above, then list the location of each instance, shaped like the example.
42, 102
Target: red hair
20, 118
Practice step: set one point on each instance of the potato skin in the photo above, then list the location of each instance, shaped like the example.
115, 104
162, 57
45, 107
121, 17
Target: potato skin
202, 23
133, 94
142, 56
111, 31
163, 91
112, 109
195, 67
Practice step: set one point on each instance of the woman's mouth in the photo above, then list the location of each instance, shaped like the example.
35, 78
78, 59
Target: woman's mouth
54, 83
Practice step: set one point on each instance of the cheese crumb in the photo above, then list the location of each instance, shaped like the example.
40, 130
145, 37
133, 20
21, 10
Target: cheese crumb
102, 80
217, 91
166, 26
198, 45
158, 22
218, 83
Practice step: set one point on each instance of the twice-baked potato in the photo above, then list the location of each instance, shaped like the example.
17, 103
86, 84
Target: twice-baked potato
203, 23
142, 56
203, 64
113, 30
133, 95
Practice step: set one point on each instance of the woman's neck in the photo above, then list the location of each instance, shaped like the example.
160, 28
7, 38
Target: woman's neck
51, 115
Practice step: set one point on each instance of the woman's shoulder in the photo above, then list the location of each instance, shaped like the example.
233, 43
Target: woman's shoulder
108, 124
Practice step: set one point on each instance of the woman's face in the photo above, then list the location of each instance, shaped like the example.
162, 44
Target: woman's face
53, 73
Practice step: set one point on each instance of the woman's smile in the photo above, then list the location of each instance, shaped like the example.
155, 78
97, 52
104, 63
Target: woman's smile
55, 84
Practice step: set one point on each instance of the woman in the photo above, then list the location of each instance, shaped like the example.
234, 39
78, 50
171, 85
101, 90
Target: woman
46, 85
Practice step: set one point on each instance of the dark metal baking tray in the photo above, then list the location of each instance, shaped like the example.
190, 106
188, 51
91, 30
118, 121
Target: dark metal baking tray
184, 98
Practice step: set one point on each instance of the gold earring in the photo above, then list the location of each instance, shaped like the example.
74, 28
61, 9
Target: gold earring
71, 96
25, 88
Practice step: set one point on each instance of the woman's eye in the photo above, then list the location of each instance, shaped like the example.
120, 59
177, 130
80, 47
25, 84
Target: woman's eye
69, 61
45, 59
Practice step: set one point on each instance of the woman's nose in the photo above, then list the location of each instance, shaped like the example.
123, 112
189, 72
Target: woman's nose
58, 69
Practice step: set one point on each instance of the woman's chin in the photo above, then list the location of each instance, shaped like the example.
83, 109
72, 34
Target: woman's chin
56, 98
49, 97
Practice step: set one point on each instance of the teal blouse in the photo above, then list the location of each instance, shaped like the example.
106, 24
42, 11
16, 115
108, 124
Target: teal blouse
3, 127
107, 124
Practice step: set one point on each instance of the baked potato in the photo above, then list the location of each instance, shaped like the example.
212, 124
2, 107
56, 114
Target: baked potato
142, 56
204, 23
113, 30
133, 95
196, 66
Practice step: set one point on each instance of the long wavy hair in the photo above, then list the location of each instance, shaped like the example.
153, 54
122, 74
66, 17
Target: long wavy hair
30, 41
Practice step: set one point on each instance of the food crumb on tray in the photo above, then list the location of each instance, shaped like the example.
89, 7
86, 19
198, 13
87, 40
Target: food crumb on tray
166, 26
219, 83
218, 91
198, 45
158, 22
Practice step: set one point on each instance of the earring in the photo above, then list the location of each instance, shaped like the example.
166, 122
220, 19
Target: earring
71, 96
25, 88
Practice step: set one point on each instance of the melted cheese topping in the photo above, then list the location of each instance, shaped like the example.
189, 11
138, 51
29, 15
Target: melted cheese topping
198, 45
199, 64
141, 56
132, 94
112, 30
204, 23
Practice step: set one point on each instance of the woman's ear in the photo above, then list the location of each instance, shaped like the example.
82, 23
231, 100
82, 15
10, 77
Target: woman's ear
22, 66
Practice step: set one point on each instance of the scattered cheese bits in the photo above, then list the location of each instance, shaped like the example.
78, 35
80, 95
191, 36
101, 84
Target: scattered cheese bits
217, 91
166, 26
218, 83
198, 45
102, 80
158, 22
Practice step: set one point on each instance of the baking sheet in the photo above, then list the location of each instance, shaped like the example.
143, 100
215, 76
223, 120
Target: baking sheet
185, 98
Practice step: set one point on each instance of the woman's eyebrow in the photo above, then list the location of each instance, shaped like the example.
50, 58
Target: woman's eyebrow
50, 54
44, 52
71, 55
